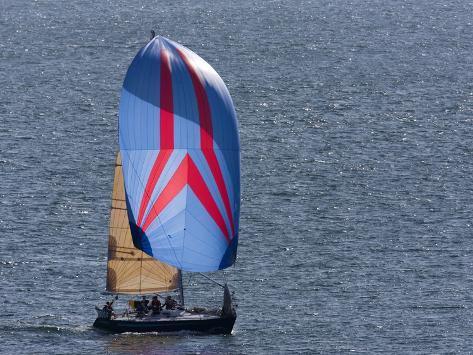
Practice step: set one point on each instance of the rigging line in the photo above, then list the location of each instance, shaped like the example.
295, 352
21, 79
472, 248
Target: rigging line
208, 278
205, 227
141, 268
157, 216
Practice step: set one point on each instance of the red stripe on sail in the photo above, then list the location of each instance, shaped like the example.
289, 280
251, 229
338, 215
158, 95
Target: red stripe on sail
206, 136
166, 128
217, 173
173, 187
198, 185
187, 173
166, 103
160, 162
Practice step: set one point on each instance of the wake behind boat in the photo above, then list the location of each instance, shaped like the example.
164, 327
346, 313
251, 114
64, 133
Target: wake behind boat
176, 193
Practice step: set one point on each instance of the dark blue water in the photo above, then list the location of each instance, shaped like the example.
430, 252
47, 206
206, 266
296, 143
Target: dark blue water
355, 121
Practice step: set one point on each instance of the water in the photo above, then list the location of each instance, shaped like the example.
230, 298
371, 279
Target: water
355, 120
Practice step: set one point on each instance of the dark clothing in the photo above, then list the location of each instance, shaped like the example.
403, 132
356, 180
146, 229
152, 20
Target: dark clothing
144, 304
170, 303
156, 306
140, 310
109, 309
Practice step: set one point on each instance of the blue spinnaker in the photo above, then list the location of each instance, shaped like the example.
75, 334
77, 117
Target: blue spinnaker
181, 158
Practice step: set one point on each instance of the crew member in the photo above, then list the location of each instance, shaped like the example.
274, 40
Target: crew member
156, 305
170, 303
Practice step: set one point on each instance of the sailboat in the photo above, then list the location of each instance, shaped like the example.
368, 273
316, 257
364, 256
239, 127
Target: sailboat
176, 193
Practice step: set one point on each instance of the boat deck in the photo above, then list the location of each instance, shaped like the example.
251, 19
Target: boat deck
168, 316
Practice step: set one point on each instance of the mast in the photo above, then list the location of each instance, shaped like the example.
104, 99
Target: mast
181, 287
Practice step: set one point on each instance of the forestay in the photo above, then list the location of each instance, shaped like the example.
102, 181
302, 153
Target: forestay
181, 158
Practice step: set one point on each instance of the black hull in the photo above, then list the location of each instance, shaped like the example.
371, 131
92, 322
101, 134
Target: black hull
209, 326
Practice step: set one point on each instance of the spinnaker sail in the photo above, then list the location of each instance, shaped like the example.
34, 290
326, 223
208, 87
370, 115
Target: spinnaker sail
181, 158
130, 270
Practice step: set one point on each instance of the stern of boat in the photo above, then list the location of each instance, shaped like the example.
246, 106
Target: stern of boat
228, 311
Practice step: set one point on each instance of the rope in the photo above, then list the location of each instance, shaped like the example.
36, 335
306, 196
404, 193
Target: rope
208, 278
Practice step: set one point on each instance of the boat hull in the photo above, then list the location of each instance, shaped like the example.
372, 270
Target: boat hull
217, 325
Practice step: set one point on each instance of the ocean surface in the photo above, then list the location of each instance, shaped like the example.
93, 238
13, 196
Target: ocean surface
356, 125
